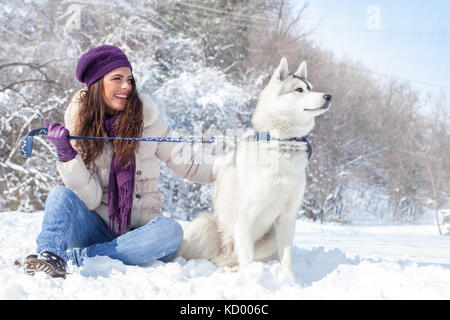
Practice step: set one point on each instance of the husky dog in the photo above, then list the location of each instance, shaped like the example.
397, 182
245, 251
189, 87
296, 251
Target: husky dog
260, 186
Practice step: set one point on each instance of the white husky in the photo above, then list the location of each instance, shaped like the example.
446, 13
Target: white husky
260, 187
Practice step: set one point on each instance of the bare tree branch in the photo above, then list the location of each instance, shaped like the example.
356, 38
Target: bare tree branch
430, 175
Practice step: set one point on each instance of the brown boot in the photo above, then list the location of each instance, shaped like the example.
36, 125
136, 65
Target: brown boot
47, 262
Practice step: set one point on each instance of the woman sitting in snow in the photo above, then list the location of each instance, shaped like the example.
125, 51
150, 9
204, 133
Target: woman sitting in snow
110, 205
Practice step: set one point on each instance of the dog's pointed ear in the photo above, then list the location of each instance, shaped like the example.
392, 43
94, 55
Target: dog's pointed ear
302, 70
282, 70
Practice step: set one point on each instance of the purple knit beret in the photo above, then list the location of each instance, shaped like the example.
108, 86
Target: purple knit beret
98, 61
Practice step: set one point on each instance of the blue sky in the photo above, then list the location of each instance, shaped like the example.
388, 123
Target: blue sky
407, 39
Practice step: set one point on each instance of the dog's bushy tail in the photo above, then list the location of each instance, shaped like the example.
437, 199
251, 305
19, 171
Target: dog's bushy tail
201, 239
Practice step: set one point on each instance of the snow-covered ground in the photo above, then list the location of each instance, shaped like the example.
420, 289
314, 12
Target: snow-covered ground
330, 261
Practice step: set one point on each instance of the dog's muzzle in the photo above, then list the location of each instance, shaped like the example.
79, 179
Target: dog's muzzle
326, 105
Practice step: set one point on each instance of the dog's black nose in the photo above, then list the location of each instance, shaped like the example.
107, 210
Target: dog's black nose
327, 97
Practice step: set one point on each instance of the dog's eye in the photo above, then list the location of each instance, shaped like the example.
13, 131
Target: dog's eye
299, 89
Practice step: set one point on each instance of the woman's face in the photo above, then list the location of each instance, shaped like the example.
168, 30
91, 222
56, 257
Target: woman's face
117, 87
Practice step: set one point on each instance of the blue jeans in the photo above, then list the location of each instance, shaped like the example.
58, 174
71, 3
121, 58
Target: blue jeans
72, 231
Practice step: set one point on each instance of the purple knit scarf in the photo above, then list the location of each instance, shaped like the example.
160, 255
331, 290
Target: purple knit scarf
120, 186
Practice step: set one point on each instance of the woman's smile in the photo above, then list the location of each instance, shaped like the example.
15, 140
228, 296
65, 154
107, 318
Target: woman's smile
121, 97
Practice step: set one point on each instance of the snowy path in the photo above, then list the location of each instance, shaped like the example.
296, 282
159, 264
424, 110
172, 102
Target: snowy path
330, 262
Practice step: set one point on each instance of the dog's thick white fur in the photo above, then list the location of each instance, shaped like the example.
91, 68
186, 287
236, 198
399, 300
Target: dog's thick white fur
260, 187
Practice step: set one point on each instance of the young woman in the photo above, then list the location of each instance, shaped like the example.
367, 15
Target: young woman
110, 204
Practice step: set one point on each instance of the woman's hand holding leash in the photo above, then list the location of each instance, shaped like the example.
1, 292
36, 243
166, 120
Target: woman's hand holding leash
59, 136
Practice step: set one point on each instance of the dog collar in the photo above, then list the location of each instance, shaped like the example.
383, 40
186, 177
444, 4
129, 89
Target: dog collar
267, 138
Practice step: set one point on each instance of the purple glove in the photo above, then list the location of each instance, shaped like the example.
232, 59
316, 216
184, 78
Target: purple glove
57, 134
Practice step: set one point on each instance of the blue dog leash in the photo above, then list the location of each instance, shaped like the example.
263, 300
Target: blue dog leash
26, 145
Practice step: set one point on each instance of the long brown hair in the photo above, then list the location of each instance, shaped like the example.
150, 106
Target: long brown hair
90, 124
